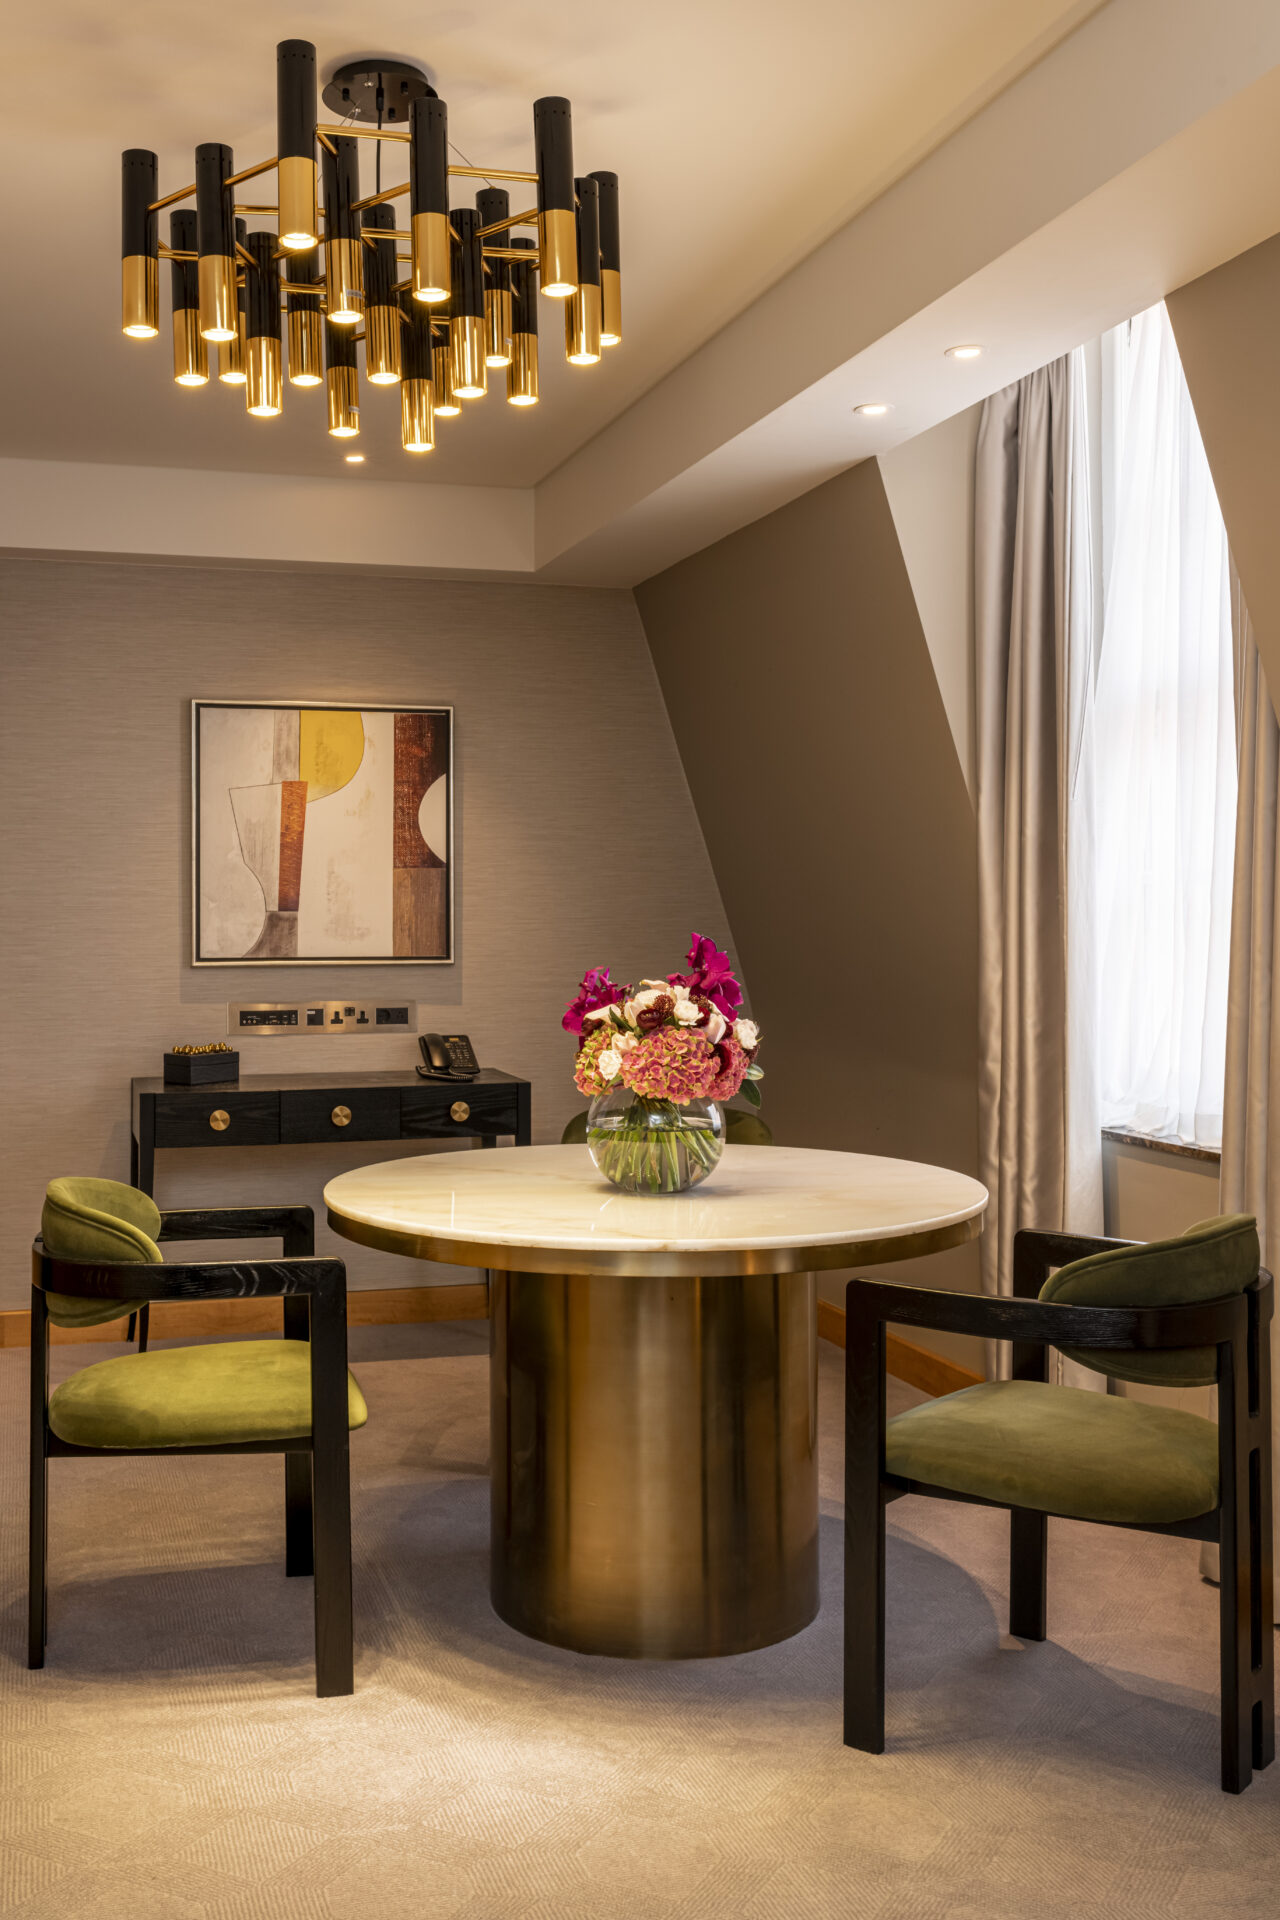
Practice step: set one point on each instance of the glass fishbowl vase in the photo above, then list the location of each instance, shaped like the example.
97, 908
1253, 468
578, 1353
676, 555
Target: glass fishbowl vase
654, 1146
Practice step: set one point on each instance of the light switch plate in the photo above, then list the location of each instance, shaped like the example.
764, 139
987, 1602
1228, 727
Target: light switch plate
258, 1019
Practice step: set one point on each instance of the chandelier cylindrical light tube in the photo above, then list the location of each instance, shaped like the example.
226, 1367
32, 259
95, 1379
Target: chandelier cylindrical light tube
382, 322
296, 144
429, 199
139, 245
610, 261
582, 313
343, 266
231, 361
447, 403
216, 242
417, 410
522, 370
466, 308
557, 225
342, 381
492, 205
190, 354
263, 395
306, 324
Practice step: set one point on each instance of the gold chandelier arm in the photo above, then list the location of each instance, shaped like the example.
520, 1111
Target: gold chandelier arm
251, 173
360, 133
177, 253
528, 254
372, 235
325, 141
243, 254
258, 209
494, 173
377, 199
513, 220
170, 199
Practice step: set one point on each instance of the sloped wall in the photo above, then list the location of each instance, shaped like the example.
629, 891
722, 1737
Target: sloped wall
828, 786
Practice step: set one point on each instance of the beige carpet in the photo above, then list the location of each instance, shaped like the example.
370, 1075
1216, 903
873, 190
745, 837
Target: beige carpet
172, 1761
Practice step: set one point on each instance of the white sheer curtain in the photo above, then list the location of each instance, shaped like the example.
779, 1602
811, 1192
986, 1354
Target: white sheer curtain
1166, 757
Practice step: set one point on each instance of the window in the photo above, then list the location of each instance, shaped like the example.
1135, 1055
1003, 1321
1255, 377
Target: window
1166, 755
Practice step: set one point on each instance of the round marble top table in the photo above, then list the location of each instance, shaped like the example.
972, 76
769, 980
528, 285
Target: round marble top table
654, 1372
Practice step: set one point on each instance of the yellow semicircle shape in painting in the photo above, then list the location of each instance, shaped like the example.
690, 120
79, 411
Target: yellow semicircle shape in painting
330, 749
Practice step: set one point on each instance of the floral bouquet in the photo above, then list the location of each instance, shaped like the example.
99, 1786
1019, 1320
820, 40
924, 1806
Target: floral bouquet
656, 1061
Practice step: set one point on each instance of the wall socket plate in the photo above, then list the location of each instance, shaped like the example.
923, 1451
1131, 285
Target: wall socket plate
258, 1019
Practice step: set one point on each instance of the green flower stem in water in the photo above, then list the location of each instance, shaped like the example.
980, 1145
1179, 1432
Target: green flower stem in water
654, 1146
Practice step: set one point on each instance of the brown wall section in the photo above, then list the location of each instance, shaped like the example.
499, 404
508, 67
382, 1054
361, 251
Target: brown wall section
1227, 326
827, 784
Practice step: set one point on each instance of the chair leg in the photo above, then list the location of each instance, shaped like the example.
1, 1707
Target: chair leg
335, 1652
38, 1490
1028, 1571
864, 1579
298, 1554
144, 1325
1237, 1717
1262, 1612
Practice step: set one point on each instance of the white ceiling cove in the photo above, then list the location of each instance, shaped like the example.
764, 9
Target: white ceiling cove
744, 134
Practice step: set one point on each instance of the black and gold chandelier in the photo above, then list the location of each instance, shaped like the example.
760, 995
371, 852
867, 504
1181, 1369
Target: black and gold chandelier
469, 304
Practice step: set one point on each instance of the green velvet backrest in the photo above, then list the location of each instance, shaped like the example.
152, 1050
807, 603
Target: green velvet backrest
103, 1220
1207, 1262
742, 1128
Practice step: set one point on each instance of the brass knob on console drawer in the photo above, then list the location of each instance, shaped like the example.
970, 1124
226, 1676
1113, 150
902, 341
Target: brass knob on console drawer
460, 1110
341, 1116
219, 1119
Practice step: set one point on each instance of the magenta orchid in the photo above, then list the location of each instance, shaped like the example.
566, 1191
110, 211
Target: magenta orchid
711, 977
597, 990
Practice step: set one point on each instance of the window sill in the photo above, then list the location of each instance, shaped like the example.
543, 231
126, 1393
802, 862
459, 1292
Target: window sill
1209, 1155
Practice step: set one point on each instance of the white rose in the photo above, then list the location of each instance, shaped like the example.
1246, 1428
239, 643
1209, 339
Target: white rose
610, 1063
716, 1028
687, 1011
747, 1035
624, 1042
598, 1017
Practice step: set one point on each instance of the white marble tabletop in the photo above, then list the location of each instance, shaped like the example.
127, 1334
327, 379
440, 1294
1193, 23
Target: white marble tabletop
551, 1201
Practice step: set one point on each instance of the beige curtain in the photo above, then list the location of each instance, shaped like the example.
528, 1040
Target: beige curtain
1250, 1152
1039, 1129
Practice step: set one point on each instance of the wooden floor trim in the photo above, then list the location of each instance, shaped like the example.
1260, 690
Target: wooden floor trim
402, 1306
172, 1320
917, 1366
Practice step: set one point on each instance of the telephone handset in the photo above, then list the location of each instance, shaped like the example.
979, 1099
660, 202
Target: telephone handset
447, 1056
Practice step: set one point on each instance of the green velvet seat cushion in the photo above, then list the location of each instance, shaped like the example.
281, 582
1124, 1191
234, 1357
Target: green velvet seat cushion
1209, 1261
194, 1397
741, 1129
97, 1220
1090, 1456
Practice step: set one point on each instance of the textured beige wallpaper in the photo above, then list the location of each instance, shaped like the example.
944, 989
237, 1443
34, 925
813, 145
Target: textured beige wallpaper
576, 844
828, 785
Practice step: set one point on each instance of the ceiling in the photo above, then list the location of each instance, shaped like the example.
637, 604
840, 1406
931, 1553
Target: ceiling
741, 148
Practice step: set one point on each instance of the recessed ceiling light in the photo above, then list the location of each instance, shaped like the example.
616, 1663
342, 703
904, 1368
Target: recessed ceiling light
875, 407
963, 353
354, 459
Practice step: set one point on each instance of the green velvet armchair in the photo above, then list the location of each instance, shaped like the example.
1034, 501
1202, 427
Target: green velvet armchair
97, 1258
1193, 1311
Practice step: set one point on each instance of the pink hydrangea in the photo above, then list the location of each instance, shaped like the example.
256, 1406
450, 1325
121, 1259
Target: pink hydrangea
732, 1062
586, 1069
675, 1063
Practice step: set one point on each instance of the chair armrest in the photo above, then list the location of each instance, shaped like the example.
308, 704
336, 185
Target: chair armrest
318, 1279
294, 1225
1046, 1323
1036, 1253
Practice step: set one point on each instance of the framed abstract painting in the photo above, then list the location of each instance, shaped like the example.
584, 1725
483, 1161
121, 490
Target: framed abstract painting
321, 834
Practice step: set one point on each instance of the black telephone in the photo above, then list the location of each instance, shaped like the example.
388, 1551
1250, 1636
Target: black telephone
447, 1056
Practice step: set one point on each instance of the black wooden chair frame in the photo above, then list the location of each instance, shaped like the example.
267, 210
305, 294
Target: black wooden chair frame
1239, 1328
313, 1294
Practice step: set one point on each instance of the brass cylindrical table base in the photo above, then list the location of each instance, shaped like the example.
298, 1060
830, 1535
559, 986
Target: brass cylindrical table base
654, 1477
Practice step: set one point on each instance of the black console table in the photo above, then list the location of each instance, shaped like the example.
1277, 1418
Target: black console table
289, 1109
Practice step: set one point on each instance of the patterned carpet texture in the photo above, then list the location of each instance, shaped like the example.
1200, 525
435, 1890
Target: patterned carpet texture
172, 1763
